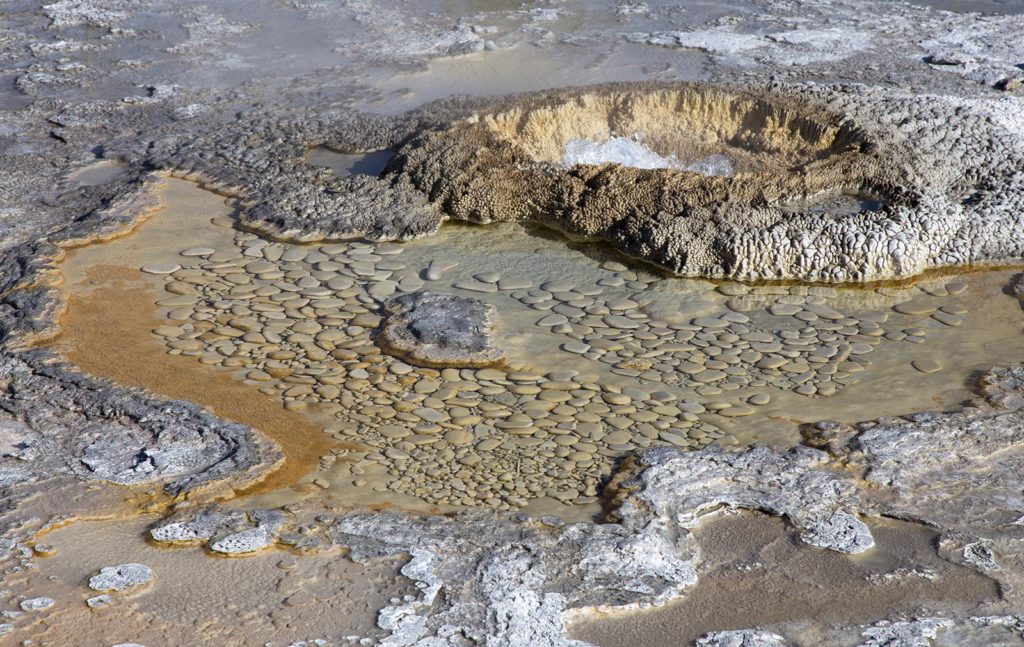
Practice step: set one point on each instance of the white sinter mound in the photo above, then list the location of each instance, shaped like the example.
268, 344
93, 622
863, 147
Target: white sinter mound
630, 151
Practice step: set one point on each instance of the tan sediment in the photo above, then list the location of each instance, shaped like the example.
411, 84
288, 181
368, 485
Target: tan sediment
688, 122
115, 342
195, 600
756, 574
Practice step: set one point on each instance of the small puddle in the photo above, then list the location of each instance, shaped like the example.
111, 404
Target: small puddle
844, 204
604, 357
97, 173
755, 573
372, 164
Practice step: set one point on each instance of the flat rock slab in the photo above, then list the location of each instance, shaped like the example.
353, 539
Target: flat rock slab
956, 287
914, 309
122, 577
198, 251
946, 318
926, 365
440, 330
553, 320
36, 604
161, 268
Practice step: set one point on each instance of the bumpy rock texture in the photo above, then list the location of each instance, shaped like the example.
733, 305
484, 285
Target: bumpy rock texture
225, 531
685, 486
440, 330
741, 638
909, 466
933, 182
122, 577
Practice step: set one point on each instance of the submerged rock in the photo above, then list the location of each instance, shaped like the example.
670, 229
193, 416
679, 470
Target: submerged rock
440, 330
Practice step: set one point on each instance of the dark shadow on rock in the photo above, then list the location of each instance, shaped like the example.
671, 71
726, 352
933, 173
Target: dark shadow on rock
1015, 288
373, 164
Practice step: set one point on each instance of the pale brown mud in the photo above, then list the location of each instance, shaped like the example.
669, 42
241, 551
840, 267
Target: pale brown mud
97, 173
756, 573
195, 599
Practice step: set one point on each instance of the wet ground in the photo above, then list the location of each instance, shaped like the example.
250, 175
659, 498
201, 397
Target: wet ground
984, 6
755, 568
196, 598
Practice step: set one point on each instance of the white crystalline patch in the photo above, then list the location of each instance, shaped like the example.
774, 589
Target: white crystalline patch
715, 41
800, 46
619, 150
712, 165
841, 532
807, 46
121, 577
36, 604
630, 151
816, 38
741, 638
100, 601
178, 532
245, 541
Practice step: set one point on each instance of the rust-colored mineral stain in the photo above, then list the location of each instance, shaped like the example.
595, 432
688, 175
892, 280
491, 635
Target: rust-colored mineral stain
109, 334
106, 329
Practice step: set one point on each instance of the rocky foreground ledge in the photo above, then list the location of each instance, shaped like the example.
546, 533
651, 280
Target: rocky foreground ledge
507, 579
62, 429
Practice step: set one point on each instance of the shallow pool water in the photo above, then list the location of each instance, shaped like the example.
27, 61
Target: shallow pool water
371, 164
604, 356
